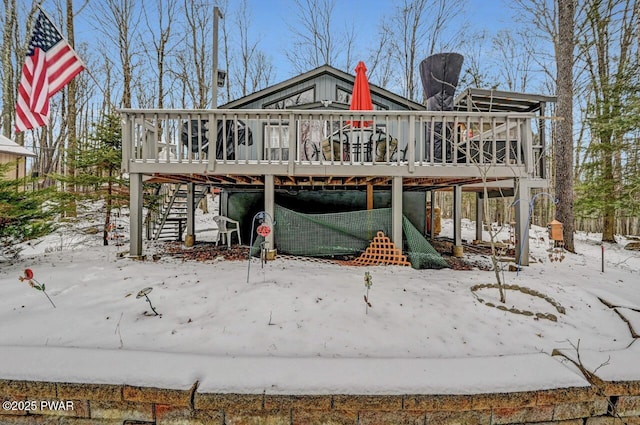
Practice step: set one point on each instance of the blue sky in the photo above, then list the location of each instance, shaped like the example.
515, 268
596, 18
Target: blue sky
269, 19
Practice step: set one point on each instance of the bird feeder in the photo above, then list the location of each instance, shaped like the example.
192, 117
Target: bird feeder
555, 231
556, 252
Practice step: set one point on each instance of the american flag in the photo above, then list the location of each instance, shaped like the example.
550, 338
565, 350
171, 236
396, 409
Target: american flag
50, 64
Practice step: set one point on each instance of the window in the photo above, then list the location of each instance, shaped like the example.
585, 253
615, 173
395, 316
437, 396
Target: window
300, 98
312, 132
344, 96
276, 141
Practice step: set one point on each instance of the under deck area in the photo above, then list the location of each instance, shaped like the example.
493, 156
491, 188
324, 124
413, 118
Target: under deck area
320, 150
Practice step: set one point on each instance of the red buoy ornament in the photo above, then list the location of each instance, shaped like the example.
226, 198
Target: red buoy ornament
263, 230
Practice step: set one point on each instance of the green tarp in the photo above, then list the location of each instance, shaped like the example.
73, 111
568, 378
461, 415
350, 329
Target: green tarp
346, 233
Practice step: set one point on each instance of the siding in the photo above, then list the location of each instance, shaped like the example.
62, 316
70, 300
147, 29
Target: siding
11, 173
325, 86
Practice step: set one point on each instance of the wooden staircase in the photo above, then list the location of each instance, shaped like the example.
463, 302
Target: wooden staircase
169, 220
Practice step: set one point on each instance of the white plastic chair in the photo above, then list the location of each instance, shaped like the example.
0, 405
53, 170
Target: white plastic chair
226, 227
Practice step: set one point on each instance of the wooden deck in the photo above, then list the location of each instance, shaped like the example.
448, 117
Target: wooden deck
327, 149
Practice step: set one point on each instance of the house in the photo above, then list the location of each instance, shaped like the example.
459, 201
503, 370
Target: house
299, 142
11, 152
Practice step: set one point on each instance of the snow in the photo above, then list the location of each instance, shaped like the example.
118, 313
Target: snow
287, 375
300, 326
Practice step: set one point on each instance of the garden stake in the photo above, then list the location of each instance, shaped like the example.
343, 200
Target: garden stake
264, 218
143, 293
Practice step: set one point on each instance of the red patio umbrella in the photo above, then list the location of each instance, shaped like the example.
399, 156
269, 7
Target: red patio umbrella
361, 96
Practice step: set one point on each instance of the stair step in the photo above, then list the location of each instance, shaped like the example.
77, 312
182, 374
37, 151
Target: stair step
172, 212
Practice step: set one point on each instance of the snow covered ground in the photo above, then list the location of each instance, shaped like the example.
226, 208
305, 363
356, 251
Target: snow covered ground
300, 326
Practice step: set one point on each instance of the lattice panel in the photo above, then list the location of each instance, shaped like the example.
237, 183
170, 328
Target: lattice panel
381, 251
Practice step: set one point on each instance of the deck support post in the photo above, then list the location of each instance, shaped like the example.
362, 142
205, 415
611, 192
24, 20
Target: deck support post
523, 199
432, 215
190, 238
396, 211
369, 196
457, 221
269, 206
479, 215
135, 222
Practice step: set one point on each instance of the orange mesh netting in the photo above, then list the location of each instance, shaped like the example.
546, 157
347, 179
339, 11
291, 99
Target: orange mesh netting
381, 251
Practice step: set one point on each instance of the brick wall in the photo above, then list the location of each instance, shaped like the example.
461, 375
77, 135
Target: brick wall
35, 403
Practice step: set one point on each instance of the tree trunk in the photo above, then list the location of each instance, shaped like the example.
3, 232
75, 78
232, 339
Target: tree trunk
563, 152
72, 147
8, 82
109, 204
609, 212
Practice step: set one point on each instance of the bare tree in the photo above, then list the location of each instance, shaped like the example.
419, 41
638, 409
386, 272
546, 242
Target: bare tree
418, 23
477, 70
380, 63
194, 63
410, 19
447, 26
253, 69
117, 20
261, 71
160, 33
313, 43
537, 21
316, 39
513, 63
247, 49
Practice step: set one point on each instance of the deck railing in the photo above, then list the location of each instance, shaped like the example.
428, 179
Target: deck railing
299, 141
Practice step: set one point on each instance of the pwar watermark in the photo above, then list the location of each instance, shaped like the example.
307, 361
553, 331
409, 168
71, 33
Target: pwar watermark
35, 405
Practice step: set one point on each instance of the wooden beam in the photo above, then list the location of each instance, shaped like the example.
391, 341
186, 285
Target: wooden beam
369, 196
244, 179
380, 180
198, 178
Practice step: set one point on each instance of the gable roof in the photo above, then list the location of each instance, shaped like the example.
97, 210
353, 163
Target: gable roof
11, 147
316, 73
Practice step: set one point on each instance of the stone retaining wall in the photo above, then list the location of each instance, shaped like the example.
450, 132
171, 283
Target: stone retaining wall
88, 404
